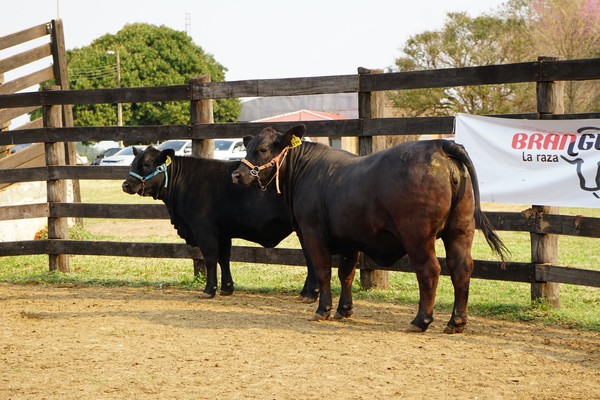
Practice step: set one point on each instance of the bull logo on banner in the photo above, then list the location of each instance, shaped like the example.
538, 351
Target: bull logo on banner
587, 141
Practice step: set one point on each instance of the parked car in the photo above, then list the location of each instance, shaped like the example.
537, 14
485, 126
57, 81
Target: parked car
229, 149
106, 153
122, 157
182, 147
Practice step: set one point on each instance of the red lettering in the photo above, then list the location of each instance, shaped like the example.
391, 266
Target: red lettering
518, 141
551, 141
535, 139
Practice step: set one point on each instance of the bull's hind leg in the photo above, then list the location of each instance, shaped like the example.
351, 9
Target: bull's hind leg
460, 265
428, 269
346, 271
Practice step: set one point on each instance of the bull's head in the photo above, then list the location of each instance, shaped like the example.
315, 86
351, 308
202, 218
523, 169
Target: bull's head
264, 155
148, 175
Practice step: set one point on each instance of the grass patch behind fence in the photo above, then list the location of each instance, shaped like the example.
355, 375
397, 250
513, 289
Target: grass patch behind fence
580, 306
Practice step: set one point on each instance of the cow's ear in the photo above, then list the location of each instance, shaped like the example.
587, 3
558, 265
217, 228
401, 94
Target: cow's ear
136, 151
162, 157
247, 140
297, 131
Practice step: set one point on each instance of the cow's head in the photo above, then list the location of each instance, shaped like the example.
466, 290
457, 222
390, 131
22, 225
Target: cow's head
149, 172
264, 153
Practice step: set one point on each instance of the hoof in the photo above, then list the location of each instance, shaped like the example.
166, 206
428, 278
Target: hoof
339, 316
225, 292
454, 329
308, 300
205, 295
319, 317
414, 329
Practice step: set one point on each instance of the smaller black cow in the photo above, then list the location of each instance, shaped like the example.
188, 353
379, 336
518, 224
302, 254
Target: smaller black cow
208, 210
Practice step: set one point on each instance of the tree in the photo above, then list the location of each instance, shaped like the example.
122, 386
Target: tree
464, 42
569, 30
149, 56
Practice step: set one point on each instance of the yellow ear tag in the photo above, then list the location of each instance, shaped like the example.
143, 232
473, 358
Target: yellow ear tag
168, 162
295, 141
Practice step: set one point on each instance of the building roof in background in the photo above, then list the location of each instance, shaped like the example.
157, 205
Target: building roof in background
344, 104
302, 115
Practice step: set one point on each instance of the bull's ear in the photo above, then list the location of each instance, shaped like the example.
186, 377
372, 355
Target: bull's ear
247, 140
136, 151
298, 131
162, 157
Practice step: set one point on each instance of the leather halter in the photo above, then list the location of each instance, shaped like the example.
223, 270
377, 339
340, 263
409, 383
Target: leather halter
276, 161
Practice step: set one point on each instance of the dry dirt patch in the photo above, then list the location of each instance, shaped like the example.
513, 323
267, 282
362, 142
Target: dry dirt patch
97, 342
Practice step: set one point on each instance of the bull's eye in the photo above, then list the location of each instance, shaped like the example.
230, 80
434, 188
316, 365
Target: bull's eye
263, 150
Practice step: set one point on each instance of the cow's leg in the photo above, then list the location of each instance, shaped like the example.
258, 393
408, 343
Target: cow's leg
346, 272
428, 269
320, 258
460, 264
224, 258
310, 290
210, 251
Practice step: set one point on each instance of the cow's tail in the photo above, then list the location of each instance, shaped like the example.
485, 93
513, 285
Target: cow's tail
459, 153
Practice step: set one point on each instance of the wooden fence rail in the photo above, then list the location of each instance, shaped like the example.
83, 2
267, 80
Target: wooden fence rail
365, 126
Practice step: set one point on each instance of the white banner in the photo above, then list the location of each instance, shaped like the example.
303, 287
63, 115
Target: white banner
554, 163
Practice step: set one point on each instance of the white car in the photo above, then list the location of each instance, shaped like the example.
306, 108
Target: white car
182, 147
229, 149
122, 157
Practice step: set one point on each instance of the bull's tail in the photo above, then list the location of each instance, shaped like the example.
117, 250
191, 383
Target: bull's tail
459, 153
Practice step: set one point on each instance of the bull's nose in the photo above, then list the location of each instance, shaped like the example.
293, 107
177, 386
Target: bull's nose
125, 187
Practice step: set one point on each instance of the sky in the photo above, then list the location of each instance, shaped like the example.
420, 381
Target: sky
259, 39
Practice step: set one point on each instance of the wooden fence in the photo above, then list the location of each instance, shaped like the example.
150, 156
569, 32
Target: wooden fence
542, 271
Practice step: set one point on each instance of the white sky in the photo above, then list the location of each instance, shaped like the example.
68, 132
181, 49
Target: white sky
259, 39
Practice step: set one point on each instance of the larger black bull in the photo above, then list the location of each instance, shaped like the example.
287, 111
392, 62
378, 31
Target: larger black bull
208, 210
388, 204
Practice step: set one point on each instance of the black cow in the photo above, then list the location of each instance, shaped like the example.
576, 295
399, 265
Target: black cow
208, 210
388, 204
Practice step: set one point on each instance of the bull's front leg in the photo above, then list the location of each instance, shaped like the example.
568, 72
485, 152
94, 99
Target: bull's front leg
320, 258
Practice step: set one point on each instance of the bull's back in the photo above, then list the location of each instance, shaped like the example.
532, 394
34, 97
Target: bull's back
385, 200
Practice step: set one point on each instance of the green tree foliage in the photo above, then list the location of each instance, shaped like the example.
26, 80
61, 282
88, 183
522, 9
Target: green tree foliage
149, 56
465, 42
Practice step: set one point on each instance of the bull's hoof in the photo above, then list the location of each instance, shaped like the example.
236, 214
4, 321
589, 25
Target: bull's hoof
339, 316
205, 295
412, 328
227, 289
307, 300
319, 317
454, 329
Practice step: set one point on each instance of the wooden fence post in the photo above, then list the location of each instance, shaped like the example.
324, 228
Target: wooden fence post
544, 247
201, 112
59, 65
370, 105
56, 190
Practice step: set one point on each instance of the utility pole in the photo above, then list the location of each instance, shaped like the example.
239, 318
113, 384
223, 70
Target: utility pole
118, 79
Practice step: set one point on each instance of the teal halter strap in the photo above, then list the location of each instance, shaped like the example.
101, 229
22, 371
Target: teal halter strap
160, 169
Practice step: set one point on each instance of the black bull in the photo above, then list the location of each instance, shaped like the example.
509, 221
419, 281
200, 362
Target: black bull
387, 205
208, 210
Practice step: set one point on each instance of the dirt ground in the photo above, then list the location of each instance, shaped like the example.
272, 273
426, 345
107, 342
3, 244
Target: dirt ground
116, 343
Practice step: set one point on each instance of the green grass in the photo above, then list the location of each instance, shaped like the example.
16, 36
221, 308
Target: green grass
580, 305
